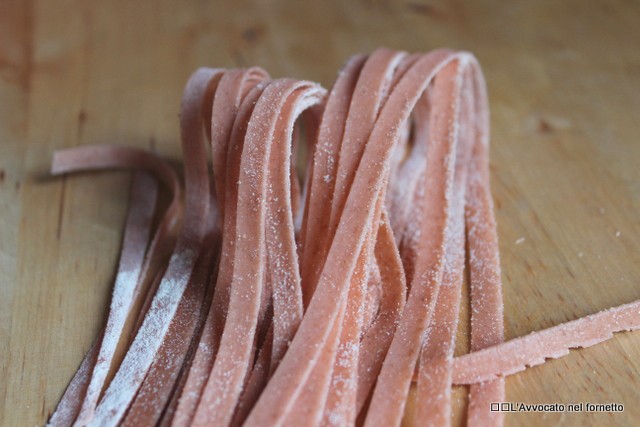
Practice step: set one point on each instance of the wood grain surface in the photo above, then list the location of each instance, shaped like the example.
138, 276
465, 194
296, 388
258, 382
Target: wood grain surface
564, 84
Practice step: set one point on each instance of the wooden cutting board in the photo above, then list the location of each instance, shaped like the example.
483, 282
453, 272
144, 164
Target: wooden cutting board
564, 80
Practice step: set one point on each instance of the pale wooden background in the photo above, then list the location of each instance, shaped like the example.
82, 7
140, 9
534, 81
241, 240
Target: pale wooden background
564, 80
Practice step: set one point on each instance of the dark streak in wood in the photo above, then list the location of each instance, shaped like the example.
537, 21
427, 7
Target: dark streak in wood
252, 34
238, 58
28, 47
423, 9
529, 268
573, 276
544, 126
82, 119
24, 358
536, 219
497, 203
61, 208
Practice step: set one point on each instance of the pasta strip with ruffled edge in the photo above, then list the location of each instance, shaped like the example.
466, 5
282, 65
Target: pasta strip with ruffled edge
516, 355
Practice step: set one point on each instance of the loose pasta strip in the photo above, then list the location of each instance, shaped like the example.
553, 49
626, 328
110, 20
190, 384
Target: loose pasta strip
134, 269
144, 193
530, 350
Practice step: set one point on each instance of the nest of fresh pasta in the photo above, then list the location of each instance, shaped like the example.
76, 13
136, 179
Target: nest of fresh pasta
264, 297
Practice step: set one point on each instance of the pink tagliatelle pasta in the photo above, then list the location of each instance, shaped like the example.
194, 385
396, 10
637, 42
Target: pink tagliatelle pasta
268, 296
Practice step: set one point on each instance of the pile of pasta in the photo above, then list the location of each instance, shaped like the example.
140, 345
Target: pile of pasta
266, 296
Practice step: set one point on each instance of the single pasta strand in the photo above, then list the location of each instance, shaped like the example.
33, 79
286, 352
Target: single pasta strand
487, 319
530, 350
